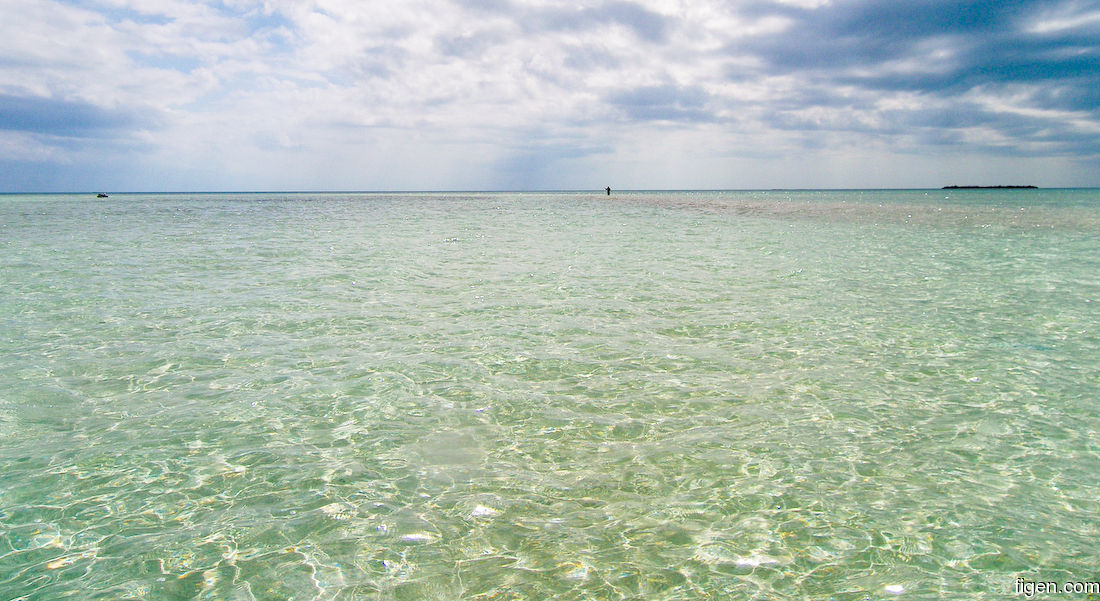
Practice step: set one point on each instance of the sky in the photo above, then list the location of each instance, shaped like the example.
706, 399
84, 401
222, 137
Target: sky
235, 95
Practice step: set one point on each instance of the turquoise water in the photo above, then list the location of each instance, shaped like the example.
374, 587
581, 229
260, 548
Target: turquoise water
694, 395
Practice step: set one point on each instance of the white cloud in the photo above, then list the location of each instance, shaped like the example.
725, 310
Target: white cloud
469, 93
1064, 16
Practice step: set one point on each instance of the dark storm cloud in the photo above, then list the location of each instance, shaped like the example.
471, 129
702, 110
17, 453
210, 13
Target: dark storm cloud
991, 40
1043, 55
861, 33
1068, 97
1021, 134
1010, 62
60, 117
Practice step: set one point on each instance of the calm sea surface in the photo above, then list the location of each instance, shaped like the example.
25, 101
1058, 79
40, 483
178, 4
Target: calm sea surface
678, 395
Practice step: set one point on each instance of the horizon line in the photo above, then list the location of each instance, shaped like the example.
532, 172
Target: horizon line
951, 187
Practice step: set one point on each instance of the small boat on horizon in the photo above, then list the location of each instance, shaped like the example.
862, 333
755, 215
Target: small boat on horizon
101, 195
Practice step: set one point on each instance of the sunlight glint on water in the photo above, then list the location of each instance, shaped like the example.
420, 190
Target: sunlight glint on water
771, 395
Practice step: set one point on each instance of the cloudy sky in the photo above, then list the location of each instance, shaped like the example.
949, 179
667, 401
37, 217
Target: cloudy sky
188, 95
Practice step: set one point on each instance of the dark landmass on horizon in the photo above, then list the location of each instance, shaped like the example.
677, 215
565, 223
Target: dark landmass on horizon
989, 188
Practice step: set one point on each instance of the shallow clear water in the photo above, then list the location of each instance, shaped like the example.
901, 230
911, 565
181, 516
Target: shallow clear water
696, 395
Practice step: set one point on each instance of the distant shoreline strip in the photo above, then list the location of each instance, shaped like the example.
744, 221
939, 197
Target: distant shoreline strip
989, 188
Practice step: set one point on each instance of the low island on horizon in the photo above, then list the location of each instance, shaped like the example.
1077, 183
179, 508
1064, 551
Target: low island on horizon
989, 188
